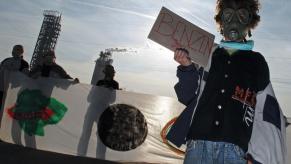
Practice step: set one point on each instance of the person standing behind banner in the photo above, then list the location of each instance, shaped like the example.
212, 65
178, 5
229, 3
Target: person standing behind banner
14, 63
50, 68
108, 81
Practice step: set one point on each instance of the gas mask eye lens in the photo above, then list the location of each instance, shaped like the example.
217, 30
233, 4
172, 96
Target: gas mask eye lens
227, 15
244, 16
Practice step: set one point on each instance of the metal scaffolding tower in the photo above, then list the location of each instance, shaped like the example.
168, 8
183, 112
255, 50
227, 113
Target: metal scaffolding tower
48, 36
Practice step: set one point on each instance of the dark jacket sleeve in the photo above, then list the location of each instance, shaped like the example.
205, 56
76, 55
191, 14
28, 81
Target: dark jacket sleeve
116, 85
62, 73
263, 73
99, 83
188, 83
24, 65
2, 65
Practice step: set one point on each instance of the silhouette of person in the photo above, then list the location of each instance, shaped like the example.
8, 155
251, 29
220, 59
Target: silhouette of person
108, 81
50, 68
14, 63
99, 99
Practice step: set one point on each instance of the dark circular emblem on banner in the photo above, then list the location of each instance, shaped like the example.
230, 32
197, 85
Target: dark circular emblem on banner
122, 127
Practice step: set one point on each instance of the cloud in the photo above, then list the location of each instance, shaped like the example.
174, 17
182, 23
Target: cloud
113, 9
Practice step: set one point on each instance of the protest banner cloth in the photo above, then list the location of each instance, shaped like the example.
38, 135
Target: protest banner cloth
61, 116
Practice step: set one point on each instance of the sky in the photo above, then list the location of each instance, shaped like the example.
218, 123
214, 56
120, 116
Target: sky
90, 26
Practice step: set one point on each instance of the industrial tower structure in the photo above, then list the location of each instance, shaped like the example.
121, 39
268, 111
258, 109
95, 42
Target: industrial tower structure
48, 36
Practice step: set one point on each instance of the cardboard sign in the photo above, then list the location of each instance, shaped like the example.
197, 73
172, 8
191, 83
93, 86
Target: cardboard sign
172, 31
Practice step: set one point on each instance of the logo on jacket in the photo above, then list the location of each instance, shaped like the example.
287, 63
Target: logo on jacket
248, 98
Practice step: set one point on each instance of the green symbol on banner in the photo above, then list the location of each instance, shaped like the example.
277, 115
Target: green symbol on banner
33, 111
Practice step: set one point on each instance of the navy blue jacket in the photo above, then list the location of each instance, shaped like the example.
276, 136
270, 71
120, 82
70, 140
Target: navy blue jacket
266, 146
187, 91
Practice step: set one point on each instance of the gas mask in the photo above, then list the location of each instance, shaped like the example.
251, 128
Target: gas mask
235, 23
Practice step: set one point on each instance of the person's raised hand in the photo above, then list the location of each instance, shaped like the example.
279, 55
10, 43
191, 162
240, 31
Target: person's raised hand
76, 81
181, 56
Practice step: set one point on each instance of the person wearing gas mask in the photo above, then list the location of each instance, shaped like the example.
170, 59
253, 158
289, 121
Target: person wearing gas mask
50, 68
231, 113
14, 63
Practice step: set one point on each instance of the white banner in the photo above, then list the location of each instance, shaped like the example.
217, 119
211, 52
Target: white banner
60, 116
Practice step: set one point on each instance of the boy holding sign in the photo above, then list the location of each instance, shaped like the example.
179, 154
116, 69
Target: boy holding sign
232, 115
